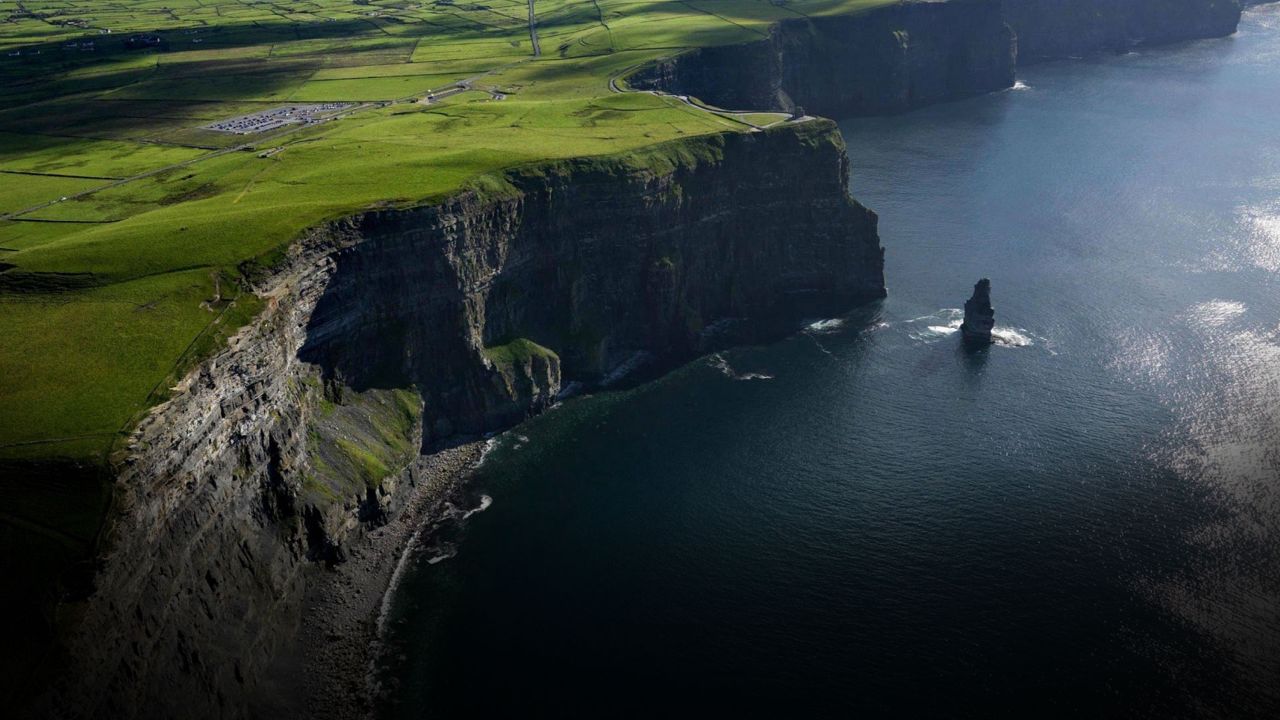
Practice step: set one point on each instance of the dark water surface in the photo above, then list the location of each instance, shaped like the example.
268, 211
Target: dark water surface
1083, 520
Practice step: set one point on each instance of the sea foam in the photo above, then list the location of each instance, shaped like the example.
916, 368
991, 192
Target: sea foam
485, 502
718, 362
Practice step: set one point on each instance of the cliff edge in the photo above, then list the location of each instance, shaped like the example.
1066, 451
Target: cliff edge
899, 57
388, 332
883, 60
1056, 29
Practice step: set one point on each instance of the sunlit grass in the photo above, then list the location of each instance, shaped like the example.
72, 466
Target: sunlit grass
81, 356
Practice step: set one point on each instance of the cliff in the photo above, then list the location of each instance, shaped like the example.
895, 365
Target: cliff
885, 60
386, 332
899, 57
1055, 29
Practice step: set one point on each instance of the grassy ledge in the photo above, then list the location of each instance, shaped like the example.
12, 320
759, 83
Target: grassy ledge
517, 352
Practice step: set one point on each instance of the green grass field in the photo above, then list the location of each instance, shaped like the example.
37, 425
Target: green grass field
120, 212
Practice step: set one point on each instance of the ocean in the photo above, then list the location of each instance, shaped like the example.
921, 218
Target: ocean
867, 519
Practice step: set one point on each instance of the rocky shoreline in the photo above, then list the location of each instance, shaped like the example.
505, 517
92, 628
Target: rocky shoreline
337, 646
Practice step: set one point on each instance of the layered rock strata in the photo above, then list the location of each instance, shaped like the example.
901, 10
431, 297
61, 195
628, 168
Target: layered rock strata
903, 56
885, 60
391, 330
1055, 29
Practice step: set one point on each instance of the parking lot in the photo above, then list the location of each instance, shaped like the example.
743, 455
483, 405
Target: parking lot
276, 117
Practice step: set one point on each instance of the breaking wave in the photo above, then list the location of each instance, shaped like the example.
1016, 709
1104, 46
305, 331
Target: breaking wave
930, 328
718, 362
489, 445
947, 322
1010, 337
826, 326
442, 554
485, 502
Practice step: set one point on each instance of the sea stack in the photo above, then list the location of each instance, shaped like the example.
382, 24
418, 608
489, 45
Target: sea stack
979, 316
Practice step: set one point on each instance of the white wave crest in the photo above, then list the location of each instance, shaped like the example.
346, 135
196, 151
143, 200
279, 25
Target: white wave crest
442, 554
826, 326
489, 445
1010, 337
718, 362
938, 325
947, 322
485, 502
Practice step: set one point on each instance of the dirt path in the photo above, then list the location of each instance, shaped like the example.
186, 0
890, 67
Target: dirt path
533, 31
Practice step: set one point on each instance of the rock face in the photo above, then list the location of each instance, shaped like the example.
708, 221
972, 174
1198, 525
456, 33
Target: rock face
899, 57
979, 316
1053, 29
392, 329
885, 60
600, 265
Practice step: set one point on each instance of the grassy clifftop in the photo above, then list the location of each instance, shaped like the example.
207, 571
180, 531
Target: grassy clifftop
124, 218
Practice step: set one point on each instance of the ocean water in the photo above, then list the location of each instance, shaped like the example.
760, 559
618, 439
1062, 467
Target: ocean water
864, 519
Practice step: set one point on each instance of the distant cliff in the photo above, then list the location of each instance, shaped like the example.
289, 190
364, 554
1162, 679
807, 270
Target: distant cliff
392, 329
1055, 29
899, 57
885, 60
